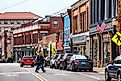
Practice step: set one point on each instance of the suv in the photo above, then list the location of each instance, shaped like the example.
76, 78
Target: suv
27, 60
63, 62
113, 69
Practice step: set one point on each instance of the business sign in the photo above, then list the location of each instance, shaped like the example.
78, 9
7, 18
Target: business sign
79, 39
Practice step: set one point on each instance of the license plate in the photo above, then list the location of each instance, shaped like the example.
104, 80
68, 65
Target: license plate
28, 60
83, 63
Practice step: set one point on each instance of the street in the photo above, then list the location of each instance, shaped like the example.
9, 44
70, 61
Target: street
12, 72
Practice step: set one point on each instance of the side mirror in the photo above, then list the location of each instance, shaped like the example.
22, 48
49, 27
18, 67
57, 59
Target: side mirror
111, 62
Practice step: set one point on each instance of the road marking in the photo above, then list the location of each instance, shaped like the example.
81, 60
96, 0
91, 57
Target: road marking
89, 76
37, 75
8, 73
11, 75
63, 74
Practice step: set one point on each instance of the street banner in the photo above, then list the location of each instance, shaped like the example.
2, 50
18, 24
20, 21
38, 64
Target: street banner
117, 38
101, 26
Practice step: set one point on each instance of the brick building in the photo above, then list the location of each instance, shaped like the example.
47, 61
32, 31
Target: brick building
80, 19
9, 21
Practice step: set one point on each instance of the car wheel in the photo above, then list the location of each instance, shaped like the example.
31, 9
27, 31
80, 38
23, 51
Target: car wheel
90, 70
21, 65
32, 65
119, 77
107, 77
73, 68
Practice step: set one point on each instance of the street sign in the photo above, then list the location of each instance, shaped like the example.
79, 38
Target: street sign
117, 38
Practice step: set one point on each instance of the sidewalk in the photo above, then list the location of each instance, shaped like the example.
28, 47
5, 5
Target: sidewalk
99, 70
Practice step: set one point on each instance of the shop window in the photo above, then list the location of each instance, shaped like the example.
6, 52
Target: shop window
106, 49
12, 22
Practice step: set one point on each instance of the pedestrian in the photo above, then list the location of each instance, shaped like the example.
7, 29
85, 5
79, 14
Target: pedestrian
40, 62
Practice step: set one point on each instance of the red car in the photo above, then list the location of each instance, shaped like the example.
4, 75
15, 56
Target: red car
27, 60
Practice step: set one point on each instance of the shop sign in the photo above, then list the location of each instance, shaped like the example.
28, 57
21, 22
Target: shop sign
79, 39
117, 38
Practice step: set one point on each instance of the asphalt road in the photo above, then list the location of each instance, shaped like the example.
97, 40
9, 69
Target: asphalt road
12, 72
61, 75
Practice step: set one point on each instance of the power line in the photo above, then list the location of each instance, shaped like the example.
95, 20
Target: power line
14, 5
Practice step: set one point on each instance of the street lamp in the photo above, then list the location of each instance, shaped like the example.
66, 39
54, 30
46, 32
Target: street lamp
50, 49
71, 42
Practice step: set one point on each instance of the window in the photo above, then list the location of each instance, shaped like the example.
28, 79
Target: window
18, 23
83, 21
0, 23
55, 23
43, 35
75, 22
5, 22
12, 22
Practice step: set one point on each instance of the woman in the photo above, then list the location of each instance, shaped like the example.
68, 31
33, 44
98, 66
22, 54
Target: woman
40, 62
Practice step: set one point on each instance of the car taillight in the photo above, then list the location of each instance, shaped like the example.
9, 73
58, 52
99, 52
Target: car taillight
67, 59
75, 61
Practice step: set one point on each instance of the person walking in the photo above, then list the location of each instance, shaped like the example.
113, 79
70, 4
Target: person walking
40, 62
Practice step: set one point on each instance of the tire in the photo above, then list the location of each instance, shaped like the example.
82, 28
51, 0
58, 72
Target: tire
32, 65
21, 65
90, 70
118, 77
73, 68
107, 77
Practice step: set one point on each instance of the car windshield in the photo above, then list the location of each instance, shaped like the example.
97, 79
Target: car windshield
117, 58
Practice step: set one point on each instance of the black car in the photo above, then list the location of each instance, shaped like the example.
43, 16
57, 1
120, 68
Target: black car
113, 69
79, 62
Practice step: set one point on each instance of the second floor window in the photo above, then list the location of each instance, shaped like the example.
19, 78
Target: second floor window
55, 23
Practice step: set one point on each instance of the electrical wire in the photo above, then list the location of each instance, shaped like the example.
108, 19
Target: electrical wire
14, 5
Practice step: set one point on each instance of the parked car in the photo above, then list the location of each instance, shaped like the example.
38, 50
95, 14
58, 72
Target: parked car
79, 62
27, 60
113, 69
52, 61
58, 60
63, 61
47, 61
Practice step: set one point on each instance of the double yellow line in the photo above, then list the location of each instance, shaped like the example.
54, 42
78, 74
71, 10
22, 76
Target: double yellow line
37, 75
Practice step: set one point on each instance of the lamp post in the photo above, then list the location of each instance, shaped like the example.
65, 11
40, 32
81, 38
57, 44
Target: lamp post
114, 23
50, 49
71, 42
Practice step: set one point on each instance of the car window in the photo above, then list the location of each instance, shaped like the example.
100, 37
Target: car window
117, 62
55, 57
117, 58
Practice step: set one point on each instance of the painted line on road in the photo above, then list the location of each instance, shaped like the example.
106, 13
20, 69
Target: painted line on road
37, 75
89, 76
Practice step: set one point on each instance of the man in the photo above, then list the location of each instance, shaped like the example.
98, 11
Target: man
40, 62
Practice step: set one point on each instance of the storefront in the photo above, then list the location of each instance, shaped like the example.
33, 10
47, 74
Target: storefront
81, 43
102, 48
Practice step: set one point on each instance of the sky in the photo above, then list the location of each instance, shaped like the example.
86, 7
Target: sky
39, 7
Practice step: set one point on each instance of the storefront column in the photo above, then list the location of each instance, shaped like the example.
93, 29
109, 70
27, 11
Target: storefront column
90, 42
98, 51
110, 34
102, 54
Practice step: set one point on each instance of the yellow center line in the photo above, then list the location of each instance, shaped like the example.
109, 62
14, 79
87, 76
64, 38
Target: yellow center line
37, 75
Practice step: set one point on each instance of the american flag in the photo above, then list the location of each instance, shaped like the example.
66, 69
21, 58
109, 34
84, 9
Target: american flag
101, 26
